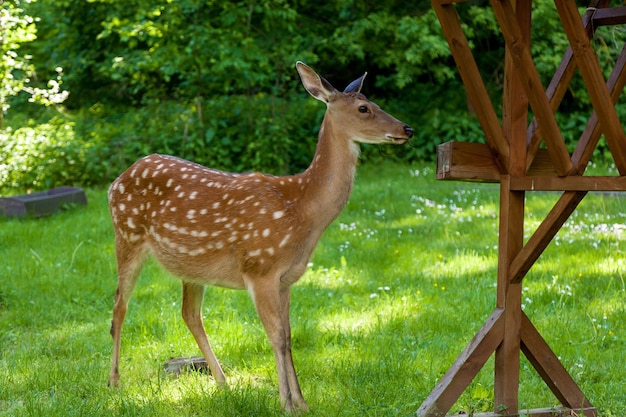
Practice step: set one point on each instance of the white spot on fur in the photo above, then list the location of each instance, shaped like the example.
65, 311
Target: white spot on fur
196, 252
279, 214
266, 232
284, 241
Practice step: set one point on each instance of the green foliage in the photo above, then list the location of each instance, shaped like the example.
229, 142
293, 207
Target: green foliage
41, 156
17, 72
215, 81
16, 28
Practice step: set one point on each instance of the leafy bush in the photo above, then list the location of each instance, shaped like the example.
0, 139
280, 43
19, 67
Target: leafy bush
41, 156
214, 82
235, 133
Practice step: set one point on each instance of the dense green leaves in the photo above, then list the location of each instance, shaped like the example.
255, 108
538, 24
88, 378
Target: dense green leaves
214, 80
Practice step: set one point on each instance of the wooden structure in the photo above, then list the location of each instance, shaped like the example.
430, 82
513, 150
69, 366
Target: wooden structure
513, 157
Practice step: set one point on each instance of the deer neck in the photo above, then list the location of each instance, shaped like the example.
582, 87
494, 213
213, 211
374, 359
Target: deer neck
330, 176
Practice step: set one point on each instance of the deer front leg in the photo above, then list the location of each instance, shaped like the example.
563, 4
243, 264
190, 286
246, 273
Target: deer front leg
271, 302
192, 314
294, 387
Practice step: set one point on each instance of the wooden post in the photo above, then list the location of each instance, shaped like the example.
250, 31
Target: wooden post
513, 158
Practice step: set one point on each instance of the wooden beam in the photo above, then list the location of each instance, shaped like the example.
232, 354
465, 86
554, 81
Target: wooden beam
560, 83
541, 412
591, 135
596, 85
465, 368
470, 75
509, 297
515, 100
571, 183
609, 16
529, 77
466, 161
551, 371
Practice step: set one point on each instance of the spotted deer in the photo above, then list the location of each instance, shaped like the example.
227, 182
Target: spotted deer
242, 231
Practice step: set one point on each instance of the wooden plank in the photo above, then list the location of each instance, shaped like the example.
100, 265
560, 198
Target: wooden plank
540, 412
570, 183
593, 79
466, 161
509, 297
470, 75
542, 164
551, 370
529, 77
609, 16
560, 82
465, 368
591, 135
544, 234
515, 100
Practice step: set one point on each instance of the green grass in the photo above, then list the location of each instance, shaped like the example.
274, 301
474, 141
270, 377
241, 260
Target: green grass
396, 289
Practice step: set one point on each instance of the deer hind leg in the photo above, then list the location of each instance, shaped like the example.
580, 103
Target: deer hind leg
129, 263
192, 314
272, 305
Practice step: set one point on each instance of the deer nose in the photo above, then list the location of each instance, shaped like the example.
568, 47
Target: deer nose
408, 131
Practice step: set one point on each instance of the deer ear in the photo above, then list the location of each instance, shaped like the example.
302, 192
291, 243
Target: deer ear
356, 85
317, 86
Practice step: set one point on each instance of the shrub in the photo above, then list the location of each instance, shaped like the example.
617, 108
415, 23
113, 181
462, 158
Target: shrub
41, 156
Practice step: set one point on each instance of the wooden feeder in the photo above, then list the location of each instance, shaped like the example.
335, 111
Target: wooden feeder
512, 157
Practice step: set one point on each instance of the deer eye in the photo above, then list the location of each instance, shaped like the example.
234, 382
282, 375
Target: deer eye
363, 109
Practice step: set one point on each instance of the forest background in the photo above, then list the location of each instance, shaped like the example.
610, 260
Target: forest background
88, 86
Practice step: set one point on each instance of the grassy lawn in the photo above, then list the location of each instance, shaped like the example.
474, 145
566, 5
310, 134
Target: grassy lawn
396, 289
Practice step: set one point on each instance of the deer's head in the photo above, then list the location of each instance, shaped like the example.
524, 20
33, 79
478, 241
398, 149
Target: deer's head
360, 119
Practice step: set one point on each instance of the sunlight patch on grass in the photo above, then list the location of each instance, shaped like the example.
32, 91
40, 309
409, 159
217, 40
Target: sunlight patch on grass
462, 265
381, 310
